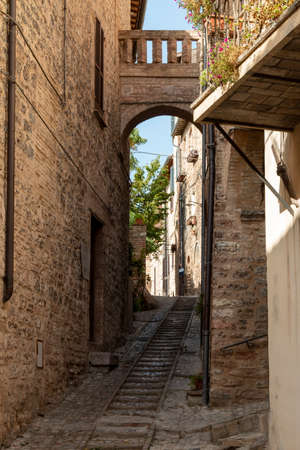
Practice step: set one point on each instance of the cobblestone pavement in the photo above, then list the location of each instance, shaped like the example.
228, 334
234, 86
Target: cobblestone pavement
69, 425
181, 424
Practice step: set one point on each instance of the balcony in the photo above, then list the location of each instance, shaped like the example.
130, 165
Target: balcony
167, 53
266, 92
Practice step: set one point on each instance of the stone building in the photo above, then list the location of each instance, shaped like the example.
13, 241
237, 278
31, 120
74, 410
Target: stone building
68, 275
238, 285
187, 140
265, 96
182, 245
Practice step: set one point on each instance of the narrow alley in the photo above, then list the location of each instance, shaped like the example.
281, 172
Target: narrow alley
147, 402
149, 224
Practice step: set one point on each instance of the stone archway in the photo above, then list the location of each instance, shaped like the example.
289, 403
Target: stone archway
131, 117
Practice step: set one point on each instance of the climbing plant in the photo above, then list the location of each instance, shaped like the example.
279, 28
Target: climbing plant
135, 140
222, 59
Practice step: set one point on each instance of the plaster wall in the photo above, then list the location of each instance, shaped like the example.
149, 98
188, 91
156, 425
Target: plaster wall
283, 268
191, 140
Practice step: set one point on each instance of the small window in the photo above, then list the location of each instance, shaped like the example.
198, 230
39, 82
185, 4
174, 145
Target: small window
99, 72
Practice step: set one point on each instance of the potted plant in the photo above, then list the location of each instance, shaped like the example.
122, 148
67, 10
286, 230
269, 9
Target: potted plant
196, 382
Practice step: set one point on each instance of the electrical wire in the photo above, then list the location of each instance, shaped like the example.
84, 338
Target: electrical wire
34, 55
56, 139
147, 153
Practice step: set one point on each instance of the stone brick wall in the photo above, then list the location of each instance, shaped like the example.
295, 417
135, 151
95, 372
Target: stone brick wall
137, 238
67, 167
239, 298
173, 85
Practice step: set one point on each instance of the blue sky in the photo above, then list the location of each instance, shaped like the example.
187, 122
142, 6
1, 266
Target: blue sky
160, 15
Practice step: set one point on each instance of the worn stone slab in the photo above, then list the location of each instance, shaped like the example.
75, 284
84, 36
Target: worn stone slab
99, 359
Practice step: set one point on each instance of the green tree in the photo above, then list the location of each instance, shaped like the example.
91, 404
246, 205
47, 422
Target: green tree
148, 201
135, 140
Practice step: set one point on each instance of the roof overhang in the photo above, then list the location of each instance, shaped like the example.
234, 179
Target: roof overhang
179, 127
138, 9
267, 92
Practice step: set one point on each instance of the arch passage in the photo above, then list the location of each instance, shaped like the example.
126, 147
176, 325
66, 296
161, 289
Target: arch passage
150, 87
138, 115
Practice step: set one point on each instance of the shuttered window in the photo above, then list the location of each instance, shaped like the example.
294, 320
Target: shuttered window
99, 68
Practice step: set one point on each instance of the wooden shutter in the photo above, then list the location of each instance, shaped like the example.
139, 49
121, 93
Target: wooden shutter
99, 67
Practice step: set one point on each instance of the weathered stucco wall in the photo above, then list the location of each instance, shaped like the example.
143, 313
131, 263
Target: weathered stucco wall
67, 167
239, 295
283, 268
191, 140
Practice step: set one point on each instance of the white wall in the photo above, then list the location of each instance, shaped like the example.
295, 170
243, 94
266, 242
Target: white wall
283, 267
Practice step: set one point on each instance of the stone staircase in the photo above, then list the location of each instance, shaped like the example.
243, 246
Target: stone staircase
246, 428
244, 433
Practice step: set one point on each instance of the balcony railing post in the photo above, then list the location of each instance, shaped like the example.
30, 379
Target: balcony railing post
134, 49
142, 51
172, 51
129, 51
187, 51
157, 51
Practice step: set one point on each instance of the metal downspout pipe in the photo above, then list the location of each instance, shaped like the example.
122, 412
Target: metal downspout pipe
10, 168
203, 219
181, 238
208, 264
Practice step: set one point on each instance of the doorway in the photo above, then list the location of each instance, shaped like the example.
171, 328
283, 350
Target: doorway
96, 306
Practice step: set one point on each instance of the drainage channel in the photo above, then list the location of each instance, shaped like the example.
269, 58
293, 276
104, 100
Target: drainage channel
128, 417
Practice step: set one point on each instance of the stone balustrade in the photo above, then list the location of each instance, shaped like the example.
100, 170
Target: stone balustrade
182, 47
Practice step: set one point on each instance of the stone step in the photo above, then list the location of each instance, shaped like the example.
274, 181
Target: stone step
149, 384
132, 391
168, 336
148, 413
145, 379
162, 348
152, 367
159, 362
163, 345
114, 444
245, 441
153, 364
150, 372
122, 432
124, 421
244, 424
126, 406
172, 330
166, 344
171, 333
159, 353
130, 397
